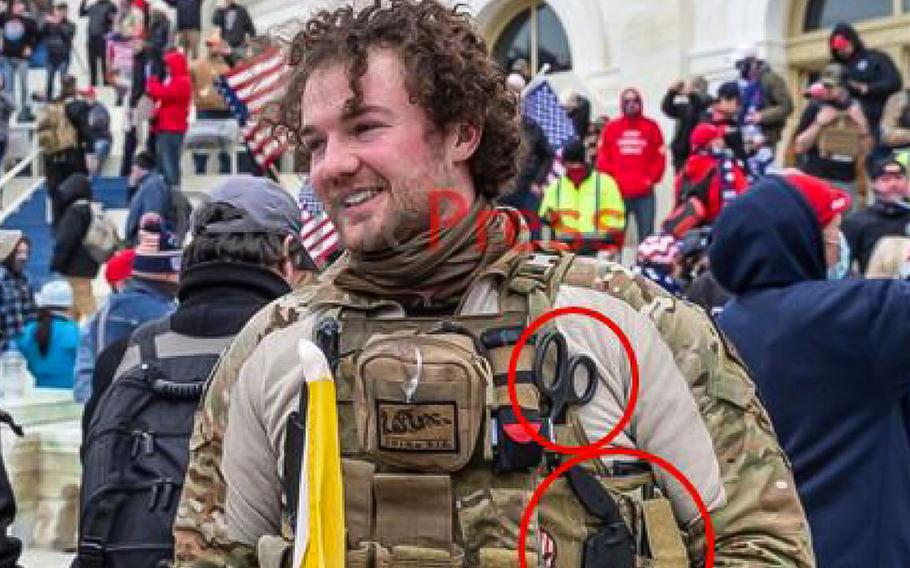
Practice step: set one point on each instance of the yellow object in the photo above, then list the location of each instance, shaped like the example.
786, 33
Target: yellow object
322, 537
594, 208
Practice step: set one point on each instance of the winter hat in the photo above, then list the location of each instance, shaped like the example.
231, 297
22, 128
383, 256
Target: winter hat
145, 161
574, 151
158, 255
8, 241
825, 200
729, 90
55, 294
119, 267
889, 165
659, 250
703, 134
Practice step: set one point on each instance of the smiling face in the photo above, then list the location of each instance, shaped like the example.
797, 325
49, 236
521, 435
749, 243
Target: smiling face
376, 165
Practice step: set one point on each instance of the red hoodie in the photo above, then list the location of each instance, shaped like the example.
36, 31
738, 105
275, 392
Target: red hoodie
173, 96
632, 151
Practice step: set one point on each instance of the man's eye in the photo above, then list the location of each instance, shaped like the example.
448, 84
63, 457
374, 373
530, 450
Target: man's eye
313, 146
365, 127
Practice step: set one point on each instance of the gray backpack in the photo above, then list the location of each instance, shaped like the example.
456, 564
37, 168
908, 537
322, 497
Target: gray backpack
101, 239
136, 448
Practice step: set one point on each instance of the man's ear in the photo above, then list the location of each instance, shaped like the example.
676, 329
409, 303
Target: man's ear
466, 139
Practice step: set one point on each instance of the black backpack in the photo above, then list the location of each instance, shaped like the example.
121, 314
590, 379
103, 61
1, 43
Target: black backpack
136, 448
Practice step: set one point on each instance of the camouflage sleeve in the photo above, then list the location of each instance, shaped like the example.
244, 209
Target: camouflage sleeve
762, 522
200, 531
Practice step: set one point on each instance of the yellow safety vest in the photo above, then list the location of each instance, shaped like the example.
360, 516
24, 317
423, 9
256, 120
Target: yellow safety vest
595, 209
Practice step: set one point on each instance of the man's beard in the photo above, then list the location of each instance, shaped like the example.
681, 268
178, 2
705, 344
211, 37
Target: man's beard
407, 214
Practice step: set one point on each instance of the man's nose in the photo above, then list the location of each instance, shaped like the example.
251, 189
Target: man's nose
338, 160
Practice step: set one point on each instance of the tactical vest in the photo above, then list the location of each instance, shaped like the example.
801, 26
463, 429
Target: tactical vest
436, 473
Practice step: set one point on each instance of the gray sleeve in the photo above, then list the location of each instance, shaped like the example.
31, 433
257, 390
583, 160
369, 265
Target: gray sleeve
265, 394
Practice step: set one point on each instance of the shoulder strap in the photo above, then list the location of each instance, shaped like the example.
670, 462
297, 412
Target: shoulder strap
144, 337
537, 277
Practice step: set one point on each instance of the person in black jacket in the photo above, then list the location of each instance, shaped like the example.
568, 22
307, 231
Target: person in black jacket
70, 258
189, 24
871, 78
888, 216
245, 252
57, 33
101, 15
685, 103
236, 27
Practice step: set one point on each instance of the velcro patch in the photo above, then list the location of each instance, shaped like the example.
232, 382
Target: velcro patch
417, 427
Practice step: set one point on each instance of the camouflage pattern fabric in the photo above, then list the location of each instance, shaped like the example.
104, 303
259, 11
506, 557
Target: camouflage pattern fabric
761, 524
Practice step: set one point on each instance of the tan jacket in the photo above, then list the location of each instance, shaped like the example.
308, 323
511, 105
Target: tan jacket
203, 73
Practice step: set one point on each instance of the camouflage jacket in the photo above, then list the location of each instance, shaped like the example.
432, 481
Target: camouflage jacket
761, 522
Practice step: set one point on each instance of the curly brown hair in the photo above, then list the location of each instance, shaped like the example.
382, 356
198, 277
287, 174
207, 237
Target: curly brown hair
448, 72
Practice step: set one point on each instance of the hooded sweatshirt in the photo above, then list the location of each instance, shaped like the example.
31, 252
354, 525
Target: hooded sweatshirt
872, 67
632, 151
172, 96
831, 363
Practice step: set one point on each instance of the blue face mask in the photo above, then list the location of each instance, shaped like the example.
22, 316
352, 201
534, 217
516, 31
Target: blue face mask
840, 270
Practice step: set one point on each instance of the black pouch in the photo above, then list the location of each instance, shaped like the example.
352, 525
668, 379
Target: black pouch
515, 449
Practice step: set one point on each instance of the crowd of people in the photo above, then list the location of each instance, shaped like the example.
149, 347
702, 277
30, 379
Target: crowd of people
766, 310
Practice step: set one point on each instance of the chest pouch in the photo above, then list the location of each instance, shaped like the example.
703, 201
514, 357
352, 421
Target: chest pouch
419, 399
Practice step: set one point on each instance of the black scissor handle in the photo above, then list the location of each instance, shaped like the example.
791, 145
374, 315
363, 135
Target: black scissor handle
590, 368
552, 386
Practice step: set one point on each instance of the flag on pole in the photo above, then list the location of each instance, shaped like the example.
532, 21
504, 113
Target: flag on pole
320, 238
247, 89
541, 104
319, 534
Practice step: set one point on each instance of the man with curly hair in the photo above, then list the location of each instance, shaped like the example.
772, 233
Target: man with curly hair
410, 132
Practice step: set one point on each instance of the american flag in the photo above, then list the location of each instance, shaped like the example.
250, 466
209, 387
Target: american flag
541, 104
318, 233
247, 88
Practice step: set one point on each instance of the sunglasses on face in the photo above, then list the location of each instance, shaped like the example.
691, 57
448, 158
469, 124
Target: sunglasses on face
632, 101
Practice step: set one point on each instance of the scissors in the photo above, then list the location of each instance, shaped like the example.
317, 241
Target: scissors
560, 388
